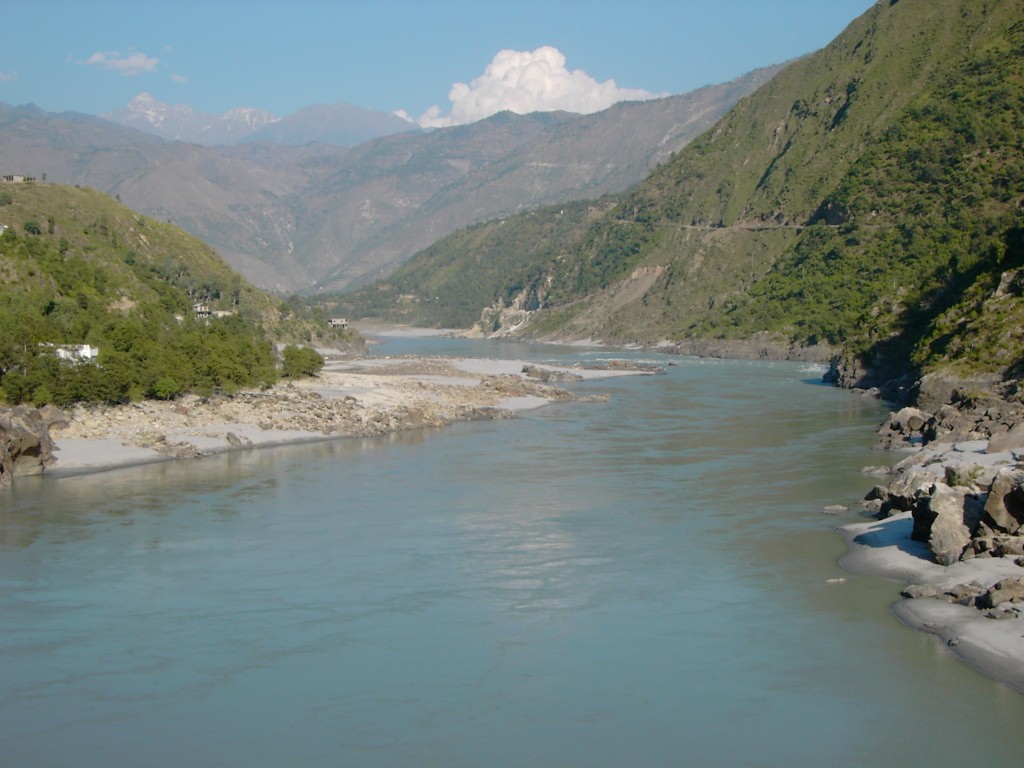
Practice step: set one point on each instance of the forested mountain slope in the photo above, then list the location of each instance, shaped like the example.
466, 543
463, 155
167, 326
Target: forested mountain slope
165, 313
870, 195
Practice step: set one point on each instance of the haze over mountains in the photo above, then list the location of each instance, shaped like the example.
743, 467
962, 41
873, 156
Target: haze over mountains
340, 124
317, 215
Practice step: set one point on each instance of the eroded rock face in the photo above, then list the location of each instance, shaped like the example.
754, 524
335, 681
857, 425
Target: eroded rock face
25, 445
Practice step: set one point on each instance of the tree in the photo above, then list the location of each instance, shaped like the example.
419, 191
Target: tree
300, 361
165, 388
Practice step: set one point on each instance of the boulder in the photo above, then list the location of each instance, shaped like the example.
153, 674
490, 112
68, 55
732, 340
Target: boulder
946, 518
25, 444
918, 591
878, 493
909, 420
547, 374
1004, 509
965, 594
903, 427
962, 474
1012, 439
903, 493
1008, 545
1010, 590
54, 417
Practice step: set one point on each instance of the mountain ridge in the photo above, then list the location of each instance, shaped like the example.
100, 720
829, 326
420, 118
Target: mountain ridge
323, 217
338, 124
870, 195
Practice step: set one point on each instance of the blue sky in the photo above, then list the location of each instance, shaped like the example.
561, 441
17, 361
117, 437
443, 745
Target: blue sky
93, 56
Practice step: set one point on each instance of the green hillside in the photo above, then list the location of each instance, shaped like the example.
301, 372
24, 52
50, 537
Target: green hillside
871, 195
166, 314
451, 281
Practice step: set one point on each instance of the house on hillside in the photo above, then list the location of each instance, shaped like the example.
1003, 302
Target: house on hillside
74, 353
338, 322
15, 179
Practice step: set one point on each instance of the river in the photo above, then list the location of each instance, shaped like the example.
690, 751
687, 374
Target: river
649, 581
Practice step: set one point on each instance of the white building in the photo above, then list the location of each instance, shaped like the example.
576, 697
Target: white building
75, 353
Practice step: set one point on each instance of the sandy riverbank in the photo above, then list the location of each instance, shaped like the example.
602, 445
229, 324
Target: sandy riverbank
993, 646
350, 398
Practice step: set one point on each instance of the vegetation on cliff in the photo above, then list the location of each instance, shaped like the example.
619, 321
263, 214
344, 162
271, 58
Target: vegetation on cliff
80, 273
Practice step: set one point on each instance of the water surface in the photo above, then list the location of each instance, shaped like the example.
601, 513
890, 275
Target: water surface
647, 581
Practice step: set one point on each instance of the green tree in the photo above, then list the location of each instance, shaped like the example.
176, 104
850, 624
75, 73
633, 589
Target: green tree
297, 362
42, 396
165, 388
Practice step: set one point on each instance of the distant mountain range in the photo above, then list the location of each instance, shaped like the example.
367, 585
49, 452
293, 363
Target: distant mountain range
304, 216
338, 124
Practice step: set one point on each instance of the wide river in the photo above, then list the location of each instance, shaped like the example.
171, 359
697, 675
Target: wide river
649, 581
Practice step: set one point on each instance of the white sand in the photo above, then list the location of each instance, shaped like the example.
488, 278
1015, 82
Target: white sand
994, 647
492, 367
80, 456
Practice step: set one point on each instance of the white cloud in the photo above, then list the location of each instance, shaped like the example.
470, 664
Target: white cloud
179, 79
5, 76
127, 65
529, 81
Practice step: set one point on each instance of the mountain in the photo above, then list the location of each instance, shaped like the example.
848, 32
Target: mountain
230, 202
323, 217
339, 124
398, 194
182, 123
870, 195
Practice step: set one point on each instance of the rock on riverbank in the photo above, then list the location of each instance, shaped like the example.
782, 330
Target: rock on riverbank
25, 444
963, 483
951, 524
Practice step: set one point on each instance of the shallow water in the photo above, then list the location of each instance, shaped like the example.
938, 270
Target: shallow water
639, 582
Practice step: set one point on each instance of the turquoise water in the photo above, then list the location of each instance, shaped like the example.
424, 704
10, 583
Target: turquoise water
638, 582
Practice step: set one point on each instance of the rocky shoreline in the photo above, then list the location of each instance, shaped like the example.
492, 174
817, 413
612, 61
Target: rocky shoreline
351, 398
949, 523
